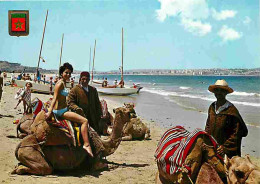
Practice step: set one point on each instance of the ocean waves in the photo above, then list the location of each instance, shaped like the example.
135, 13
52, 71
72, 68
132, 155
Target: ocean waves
238, 93
206, 96
184, 87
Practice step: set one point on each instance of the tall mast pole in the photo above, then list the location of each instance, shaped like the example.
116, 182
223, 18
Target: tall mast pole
89, 59
61, 49
122, 69
93, 60
42, 42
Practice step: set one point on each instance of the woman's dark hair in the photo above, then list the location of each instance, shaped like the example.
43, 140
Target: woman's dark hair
64, 67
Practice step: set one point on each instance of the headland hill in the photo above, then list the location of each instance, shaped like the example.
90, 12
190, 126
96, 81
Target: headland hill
6, 66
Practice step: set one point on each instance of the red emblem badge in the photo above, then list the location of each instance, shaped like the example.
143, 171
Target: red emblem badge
18, 22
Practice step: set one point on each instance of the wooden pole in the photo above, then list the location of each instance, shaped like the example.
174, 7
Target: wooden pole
61, 49
122, 69
93, 60
89, 60
42, 43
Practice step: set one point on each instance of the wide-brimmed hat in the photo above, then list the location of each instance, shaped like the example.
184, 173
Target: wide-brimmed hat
222, 84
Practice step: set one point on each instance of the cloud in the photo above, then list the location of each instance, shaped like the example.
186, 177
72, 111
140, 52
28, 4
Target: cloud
247, 20
229, 34
184, 8
190, 12
224, 14
196, 27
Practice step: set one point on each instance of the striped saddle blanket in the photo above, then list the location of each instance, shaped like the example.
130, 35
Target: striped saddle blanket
174, 147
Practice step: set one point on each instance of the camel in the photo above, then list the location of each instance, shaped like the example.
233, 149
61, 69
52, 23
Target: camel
48, 148
180, 155
241, 170
135, 129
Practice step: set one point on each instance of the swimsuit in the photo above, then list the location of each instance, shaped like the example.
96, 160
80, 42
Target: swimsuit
64, 92
60, 112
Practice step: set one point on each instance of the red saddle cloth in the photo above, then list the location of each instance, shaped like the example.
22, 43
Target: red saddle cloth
174, 147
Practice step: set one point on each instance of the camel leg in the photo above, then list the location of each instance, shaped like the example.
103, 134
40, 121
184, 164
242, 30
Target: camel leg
157, 178
30, 155
127, 138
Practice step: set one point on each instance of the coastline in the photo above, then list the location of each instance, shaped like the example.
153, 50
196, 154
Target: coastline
133, 162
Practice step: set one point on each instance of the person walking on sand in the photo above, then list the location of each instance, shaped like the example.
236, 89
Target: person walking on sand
224, 122
83, 99
59, 106
1, 85
24, 95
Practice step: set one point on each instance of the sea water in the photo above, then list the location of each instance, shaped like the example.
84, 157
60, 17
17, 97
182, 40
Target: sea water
191, 92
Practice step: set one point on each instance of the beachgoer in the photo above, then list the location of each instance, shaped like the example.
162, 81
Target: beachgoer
24, 95
1, 85
19, 77
104, 83
34, 78
59, 106
115, 82
51, 85
12, 78
56, 79
24, 77
38, 76
44, 79
28, 77
224, 122
83, 99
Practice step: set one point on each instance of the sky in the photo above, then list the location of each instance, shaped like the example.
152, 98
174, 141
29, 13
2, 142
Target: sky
158, 34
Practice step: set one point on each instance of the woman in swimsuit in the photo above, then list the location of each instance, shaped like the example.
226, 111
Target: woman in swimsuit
60, 109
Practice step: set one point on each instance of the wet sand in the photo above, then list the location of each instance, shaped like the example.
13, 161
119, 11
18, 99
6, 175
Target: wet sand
133, 162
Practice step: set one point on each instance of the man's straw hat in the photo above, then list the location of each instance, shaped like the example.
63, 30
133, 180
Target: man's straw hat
222, 84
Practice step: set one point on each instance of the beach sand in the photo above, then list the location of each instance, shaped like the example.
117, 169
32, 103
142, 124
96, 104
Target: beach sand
133, 162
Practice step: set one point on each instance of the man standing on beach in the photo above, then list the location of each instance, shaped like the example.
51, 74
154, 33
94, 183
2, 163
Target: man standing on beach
1, 85
83, 99
224, 122
12, 78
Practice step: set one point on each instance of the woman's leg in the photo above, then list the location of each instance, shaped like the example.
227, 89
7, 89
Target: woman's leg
84, 128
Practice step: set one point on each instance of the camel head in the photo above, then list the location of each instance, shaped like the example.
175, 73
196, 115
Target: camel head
122, 116
131, 107
239, 170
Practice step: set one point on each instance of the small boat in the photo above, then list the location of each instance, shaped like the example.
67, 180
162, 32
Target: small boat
117, 91
121, 89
